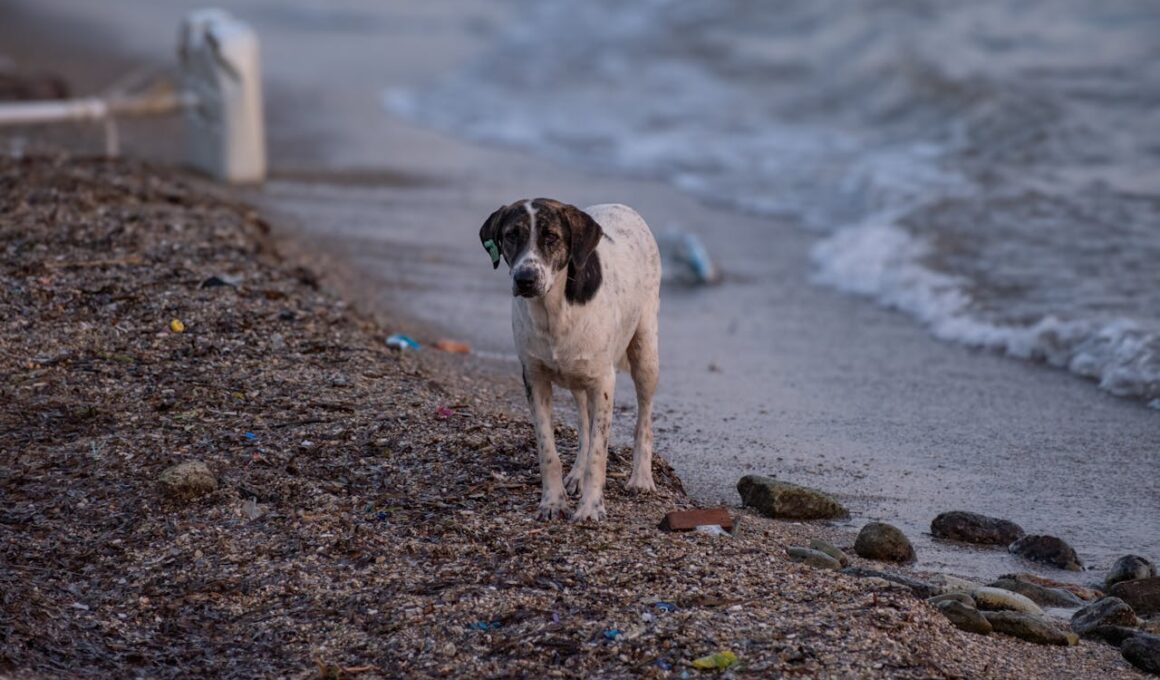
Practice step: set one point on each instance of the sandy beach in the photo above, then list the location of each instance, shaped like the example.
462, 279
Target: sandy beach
765, 373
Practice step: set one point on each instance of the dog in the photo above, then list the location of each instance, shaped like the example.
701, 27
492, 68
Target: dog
586, 294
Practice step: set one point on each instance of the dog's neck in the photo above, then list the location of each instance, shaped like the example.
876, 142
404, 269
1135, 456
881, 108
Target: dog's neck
549, 313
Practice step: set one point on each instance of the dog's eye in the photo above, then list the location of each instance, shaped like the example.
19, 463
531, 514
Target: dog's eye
550, 238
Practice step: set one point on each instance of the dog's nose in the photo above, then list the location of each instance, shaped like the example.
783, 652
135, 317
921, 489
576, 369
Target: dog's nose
525, 281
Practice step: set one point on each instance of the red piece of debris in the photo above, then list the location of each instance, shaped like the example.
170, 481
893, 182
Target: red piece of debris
687, 520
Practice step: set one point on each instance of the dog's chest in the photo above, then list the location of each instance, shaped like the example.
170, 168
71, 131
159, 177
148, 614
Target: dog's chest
572, 353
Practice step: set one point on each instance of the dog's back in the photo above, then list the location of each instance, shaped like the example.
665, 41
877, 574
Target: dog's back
632, 265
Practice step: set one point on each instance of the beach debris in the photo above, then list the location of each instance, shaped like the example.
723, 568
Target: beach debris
1130, 568
452, 346
612, 633
250, 436
813, 558
964, 616
485, 625
711, 529
443, 411
684, 259
883, 542
1107, 611
783, 500
665, 606
1049, 550
1030, 627
1040, 595
689, 520
997, 599
1143, 652
1142, 594
401, 342
219, 280
716, 661
831, 550
188, 480
971, 527
176, 325
664, 664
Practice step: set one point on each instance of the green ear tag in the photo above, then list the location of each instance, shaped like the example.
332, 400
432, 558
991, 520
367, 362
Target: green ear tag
492, 250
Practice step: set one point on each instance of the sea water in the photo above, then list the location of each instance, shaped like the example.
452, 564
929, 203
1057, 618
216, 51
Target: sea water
990, 168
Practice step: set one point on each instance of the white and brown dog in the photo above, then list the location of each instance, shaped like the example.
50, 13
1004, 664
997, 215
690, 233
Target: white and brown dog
587, 291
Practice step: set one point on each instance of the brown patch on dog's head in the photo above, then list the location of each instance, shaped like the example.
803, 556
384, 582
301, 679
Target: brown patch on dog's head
566, 234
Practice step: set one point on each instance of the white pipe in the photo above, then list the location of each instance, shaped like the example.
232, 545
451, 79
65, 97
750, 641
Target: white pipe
34, 113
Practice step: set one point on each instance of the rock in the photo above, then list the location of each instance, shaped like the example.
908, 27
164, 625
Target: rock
964, 617
188, 480
884, 542
782, 500
951, 584
831, 550
1113, 635
814, 558
964, 598
1109, 611
971, 527
1085, 594
1142, 594
1047, 550
996, 599
919, 588
1143, 652
1130, 568
1030, 628
1040, 595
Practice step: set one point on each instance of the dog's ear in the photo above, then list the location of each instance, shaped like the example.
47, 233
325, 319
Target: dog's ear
584, 232
489, 235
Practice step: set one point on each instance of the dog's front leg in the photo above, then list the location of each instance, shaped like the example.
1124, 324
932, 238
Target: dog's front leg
553, 500
596, 463
576, 474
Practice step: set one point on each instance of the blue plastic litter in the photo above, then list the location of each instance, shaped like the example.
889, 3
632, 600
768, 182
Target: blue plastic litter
612, 633
664, 664
485, 625
251, 435
400, 341
666, 606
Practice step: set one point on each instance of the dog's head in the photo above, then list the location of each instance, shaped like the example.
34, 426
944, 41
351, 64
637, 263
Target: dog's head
538, 239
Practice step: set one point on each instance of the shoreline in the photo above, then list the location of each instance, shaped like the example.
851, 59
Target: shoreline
318, 547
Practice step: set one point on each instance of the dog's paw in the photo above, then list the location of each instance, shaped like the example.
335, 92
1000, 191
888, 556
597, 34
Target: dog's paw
641, 483
551, 509
572, 481
590, 512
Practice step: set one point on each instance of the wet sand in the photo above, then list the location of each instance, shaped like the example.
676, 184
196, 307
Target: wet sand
809, 385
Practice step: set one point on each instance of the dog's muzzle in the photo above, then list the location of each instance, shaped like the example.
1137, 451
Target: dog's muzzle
525, 283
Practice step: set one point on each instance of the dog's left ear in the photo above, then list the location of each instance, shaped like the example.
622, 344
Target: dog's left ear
584, 232
489, 235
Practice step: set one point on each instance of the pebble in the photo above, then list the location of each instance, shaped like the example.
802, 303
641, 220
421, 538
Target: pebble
1143, 652
964, 617
971, 527
1040, 595
1047, 550
998, 599
1142, 594
814, 558
1113, 635
1085, 594
188, 480
783, 500
884, 542
1109, 611
953, 584
831, 550
1130, 568
1030, 628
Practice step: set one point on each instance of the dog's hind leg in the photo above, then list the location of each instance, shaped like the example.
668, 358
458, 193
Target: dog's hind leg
596, 462
553, 500
644, 365
576, 474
